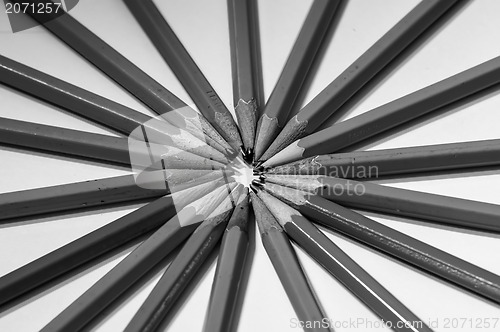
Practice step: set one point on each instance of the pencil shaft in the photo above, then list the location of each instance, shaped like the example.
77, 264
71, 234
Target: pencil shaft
393, 114
343, 268
70, 97
400, 202
74, 196
80, 144
108, 60
294, 73
102, 110
96, 243
229, 272
186, 70
401, 246
401, 161
361, 71
179, 274
135, 265
245, 57
287, 266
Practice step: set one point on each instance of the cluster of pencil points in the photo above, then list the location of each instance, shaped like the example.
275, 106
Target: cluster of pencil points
298, 176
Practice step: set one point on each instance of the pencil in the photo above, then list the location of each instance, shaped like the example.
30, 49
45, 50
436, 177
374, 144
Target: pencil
396, 244
294, 73
287, 266
184, 267
102, 110
399, 202
245, 57
343, 267
104, 148
392, 114
98, 242
79, 144
400, 161
109, 61
70, 97
160, 244
229, 272
186, 70
80, 195
360, 72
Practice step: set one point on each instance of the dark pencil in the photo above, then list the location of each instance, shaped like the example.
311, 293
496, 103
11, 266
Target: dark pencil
401, 246
70, 97
294, 73
102, 110
343, 267
98, 242
104, 148
75, 143
108, 60
230, 267
412, 160
244, 38
360, 72
287, 266
184, 267
136, 264
400, 202
94, 193
392, 114
186, 70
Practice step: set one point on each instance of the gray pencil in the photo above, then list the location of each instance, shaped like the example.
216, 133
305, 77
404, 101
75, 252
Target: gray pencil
287, 266
343, 268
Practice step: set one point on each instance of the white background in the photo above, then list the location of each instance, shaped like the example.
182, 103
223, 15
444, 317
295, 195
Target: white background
471, 37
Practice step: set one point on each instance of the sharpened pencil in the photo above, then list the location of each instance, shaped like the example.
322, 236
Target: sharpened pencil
161, 243
294, 73
287, 266
396, 244
184, 267
98, 242
79, 144
229, 272
343, 267
109, 61
102, 110
245, 57
360, 72
104, 148
400, 161
73, 196
399, 202
70, 97
186, 70
392, 114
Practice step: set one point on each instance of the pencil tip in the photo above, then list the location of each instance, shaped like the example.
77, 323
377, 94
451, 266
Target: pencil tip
258, 164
